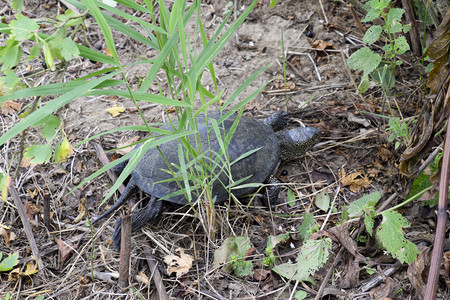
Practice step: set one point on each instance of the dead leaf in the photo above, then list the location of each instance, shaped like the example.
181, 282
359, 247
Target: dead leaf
31, 209
82, 211
260, 274
30, 269
355, 184
142, 278
14, 275
417, 269
10, 107
116, 110
65, 248
321, 45
125, 144
5, 234
178, 264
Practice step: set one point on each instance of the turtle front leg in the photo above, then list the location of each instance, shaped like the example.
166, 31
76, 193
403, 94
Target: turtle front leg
270, 192
152, 211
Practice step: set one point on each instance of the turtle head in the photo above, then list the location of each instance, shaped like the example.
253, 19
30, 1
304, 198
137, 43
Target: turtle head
295, 142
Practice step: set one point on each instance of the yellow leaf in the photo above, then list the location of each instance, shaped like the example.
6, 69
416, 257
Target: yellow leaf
63, 150
116, 110
178, 264
30, 270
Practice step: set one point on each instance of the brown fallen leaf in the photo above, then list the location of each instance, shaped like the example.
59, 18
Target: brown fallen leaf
355, 184
10, 107
82, 211
417, 270
65, 248
178, 264
321, 45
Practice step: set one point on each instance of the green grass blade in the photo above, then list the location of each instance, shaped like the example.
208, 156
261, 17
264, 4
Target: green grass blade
51, 107
101, 21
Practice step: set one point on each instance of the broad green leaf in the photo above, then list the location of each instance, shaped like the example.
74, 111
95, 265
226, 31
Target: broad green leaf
51, 124
401, 45
364, 59
23, 28
290, 198
11, 80
390, 234
9, 263
313, 256
17, 5
394, 15
10, 54
48, 55
358, 207
233, 248
38, 154
308, 226
322, 200
272, 241
300, 295
372, 34
69, 49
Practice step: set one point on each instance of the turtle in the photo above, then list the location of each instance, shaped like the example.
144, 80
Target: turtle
262, 144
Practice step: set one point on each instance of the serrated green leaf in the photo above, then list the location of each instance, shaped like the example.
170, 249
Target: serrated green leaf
272, 241
357, 207
390, 234
300, 295
364, 59
23, 28
290, 198
10, 54
369, 222
38, 153
313, 256
69, 49
17, 5
322, 200
307, 227
394, 15
10, 79
372, 34
9, 263
51, 124
401, 45
233, 248
364, 84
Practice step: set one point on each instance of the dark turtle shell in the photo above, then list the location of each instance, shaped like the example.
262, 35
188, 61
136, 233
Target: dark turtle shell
151, 175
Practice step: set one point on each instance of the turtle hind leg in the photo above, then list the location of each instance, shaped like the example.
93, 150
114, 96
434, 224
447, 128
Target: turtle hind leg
130, 189
152, 211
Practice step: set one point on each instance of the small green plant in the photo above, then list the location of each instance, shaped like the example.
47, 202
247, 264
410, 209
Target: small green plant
232, 254
389, 233
381, 67
269, 258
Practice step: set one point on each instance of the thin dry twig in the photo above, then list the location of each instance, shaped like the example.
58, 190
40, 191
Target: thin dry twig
26, 226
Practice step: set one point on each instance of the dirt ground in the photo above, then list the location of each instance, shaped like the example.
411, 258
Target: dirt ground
321, 93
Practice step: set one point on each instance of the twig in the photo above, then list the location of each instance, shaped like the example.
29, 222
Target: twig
104, 160
26, 226
442, 217
358, 22
380, 278
414, 32
125, 251
323, 12
157, 279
